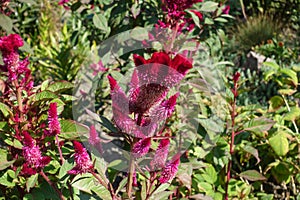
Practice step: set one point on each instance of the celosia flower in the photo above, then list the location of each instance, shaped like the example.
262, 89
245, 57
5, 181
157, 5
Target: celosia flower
141, 147
161, 154
32, 154
94, 139
170, 170
82, 160
53, 123
151, 80
9, 47
226, 10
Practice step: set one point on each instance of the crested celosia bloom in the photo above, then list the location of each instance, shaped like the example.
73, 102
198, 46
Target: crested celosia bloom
141, 147
94, 139
170, 170
82, 160
150, 83
32, 154
53, 123
161, 154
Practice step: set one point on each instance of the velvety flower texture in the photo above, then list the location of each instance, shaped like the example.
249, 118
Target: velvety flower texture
161, 154
141, 148
32, 154
53, 123
150, 82
9, 47
82, 160
170, 170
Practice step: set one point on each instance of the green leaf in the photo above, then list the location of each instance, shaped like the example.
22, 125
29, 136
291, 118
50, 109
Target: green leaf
59, 86
139, 33
71, 130
292, 74
4, 126
258, 125
68, 165
293, 114
4, 163
44, 96
221, 19
275, 103
252, 175
209, 6
31, 181
273, 65
7, 178
280, 143
5, 110
6, 23
286, 91
195, 18
89, 184
100, 22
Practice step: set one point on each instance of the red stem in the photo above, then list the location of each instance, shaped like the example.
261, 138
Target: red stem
52, 185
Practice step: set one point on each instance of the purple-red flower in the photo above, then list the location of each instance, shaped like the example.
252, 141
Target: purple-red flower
32, 154
53, 123
141, 147
82, 160
226, 10
170, 170
161, 154
9, 47
94, 139
150, 82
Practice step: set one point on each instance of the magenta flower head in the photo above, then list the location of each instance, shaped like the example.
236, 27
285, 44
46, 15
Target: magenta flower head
82, 160
32, 154
9, 47
226, 10
170, 169
53, 123
161, 154
142, 147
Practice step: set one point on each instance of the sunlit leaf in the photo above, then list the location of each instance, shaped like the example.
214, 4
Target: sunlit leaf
252, 175
280, 143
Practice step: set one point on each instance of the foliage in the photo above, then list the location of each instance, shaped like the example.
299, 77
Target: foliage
149, 99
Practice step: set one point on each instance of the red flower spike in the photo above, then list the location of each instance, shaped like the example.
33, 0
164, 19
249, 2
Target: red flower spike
113, 83
53, 123
161, 154
82, 159
236, 77
181, 64
170, 170
94, 139
142, 147
27, 171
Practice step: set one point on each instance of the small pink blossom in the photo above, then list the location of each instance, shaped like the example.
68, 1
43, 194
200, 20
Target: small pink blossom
53, 123
99, 67
82, 160
226, 10
170, 170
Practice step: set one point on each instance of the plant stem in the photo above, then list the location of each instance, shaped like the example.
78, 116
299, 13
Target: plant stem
233, 133
130, 176
59, 150
52, 185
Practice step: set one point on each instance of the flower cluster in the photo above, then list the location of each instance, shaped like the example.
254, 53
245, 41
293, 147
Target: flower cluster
82, 159
53, 123
34, 160
149, 86
176, 15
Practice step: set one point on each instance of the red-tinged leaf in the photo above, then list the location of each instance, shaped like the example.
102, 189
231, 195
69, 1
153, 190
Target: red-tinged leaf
252, 175
252, 151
